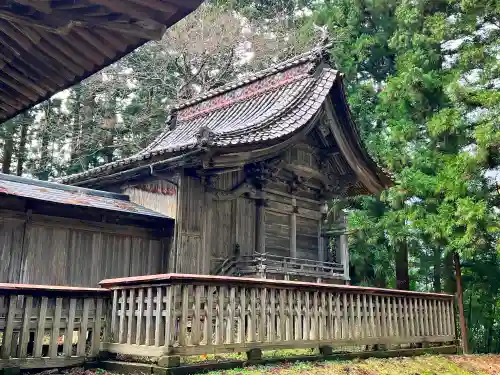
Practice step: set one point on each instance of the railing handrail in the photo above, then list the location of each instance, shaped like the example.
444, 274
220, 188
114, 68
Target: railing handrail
178, 278
311, 261
50, 290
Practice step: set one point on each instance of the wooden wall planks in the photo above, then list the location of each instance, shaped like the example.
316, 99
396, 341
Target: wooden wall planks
38, 252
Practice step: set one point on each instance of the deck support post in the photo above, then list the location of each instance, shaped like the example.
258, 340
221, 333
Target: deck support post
169, 361
326, 350
254, 355
10, 371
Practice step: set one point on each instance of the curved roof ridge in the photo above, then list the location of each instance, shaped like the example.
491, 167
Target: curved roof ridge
315, 54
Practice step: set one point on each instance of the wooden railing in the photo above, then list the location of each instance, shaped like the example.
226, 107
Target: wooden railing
263, 264
178, 315
45, 326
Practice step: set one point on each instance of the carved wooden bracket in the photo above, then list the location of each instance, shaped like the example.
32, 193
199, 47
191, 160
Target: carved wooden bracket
322, 156
261, 173
243, 189
295, 183
338, 186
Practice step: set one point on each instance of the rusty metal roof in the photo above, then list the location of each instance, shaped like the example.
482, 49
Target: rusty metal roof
71, 195
49, 45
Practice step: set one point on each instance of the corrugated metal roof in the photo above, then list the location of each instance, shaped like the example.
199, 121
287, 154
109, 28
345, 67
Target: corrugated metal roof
71, 195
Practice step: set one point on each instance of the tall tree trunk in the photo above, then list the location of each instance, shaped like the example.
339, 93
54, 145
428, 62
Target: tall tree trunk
77, 126
460, 302
402, 274
450, 285
437, 270
87, 119
8, 147
43, 170
21, 152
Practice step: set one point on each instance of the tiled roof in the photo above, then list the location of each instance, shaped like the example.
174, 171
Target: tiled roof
266, 106
63, 194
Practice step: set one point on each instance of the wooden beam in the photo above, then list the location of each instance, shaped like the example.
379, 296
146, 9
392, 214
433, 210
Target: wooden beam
153, 16
293, 229
39, 5
150, 34
260, 227
24, 80
82, 46
120, 41
7, 108
74, 55
29, 47
164, 7
17, 102
69, 64
95, 42
23, 20
14, 55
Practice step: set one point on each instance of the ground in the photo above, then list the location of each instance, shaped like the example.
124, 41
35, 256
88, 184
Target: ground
425, 365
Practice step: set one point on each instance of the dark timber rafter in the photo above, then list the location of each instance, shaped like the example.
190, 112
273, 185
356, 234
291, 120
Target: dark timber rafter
48, 45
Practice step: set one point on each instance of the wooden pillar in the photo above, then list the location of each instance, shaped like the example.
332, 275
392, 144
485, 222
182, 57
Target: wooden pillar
293, 230
321, 243
260, 227
344, 251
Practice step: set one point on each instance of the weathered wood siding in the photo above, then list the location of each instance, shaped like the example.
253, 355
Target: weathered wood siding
189, 223
47, 250
210, 227
277, 233
159, 196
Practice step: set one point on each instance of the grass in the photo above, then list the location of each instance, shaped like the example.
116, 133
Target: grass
424, 365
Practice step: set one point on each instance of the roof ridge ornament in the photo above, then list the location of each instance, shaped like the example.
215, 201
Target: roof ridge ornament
205, 136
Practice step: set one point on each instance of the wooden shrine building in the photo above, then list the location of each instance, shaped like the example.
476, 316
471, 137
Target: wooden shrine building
252, 165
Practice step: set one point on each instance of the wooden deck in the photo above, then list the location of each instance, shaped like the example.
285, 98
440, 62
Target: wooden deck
174, 315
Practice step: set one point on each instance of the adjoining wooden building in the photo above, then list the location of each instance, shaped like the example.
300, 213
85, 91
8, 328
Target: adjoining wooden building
252, 165
63, 235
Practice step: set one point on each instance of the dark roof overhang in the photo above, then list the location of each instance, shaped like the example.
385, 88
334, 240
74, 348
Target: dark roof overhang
47, 46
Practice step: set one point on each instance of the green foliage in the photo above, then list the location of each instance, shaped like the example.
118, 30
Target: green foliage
424, 80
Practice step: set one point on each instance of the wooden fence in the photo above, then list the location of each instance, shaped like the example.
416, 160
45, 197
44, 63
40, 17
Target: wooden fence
179, 315
48, 326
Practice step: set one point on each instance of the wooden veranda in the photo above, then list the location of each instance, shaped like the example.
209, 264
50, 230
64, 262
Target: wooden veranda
170, 316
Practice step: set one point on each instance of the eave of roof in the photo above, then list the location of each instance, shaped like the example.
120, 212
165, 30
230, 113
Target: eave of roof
47, 46
71, 195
